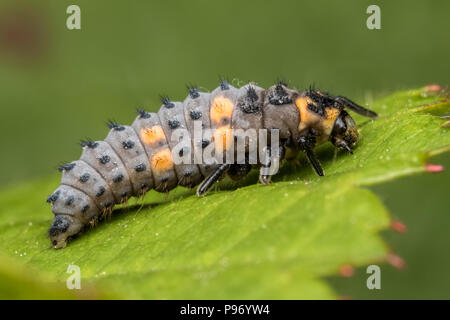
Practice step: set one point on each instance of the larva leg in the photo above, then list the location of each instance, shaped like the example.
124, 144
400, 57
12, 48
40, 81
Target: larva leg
212, 178
307, 142
265, 174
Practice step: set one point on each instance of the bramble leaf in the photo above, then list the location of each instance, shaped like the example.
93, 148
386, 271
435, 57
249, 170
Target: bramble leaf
247, 241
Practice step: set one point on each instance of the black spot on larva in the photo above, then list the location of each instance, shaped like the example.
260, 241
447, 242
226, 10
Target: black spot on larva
167, 102
124, 194
249, 107
127, 144
118, 178
100, 192
140, 167
85, 177
85, 208
143, 114
195, 115
67, 167
205, 143
70, 200
89, 143
183, 150
104, 159
188, 173
60, 225
173, 124
207, 166
53, 197
194, 93
144, 186
279, 96
164, 179
224, 85
108, 204
115, 126
317, 109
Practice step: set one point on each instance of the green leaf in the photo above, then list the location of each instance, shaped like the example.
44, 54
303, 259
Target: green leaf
19, 282
243, 240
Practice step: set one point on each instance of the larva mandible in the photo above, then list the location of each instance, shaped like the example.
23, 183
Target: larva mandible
135, 159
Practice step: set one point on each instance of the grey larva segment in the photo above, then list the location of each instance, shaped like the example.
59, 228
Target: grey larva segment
284, 117
180, 145
163, 181
197, 110
110, 169
90, 186
248, 114
75, 208
128, 147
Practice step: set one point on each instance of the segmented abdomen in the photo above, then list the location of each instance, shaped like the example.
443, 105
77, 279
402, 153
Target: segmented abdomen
135, 159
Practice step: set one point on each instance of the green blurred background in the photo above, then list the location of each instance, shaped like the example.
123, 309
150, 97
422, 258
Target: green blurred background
58, 86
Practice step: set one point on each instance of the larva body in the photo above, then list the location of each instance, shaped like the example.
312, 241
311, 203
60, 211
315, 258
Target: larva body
135, 159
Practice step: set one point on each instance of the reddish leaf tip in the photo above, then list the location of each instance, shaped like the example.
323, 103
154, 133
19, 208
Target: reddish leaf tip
398, 226
433, 168
395, 261
433, 87
346, 271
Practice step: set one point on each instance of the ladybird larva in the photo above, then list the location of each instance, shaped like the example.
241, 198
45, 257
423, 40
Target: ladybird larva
135, 159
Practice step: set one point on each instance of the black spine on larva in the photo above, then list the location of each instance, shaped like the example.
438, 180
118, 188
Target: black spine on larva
224, 85
143, 114
193, 92
167, 103
279, 96
88, 143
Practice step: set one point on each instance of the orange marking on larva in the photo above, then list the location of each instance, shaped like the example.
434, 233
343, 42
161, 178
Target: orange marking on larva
153, 135
306, 115
302, 106
223, 138
221, 108
162, 160
330, 119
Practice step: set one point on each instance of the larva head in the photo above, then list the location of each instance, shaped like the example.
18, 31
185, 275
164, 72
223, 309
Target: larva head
63, 227
344, 134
